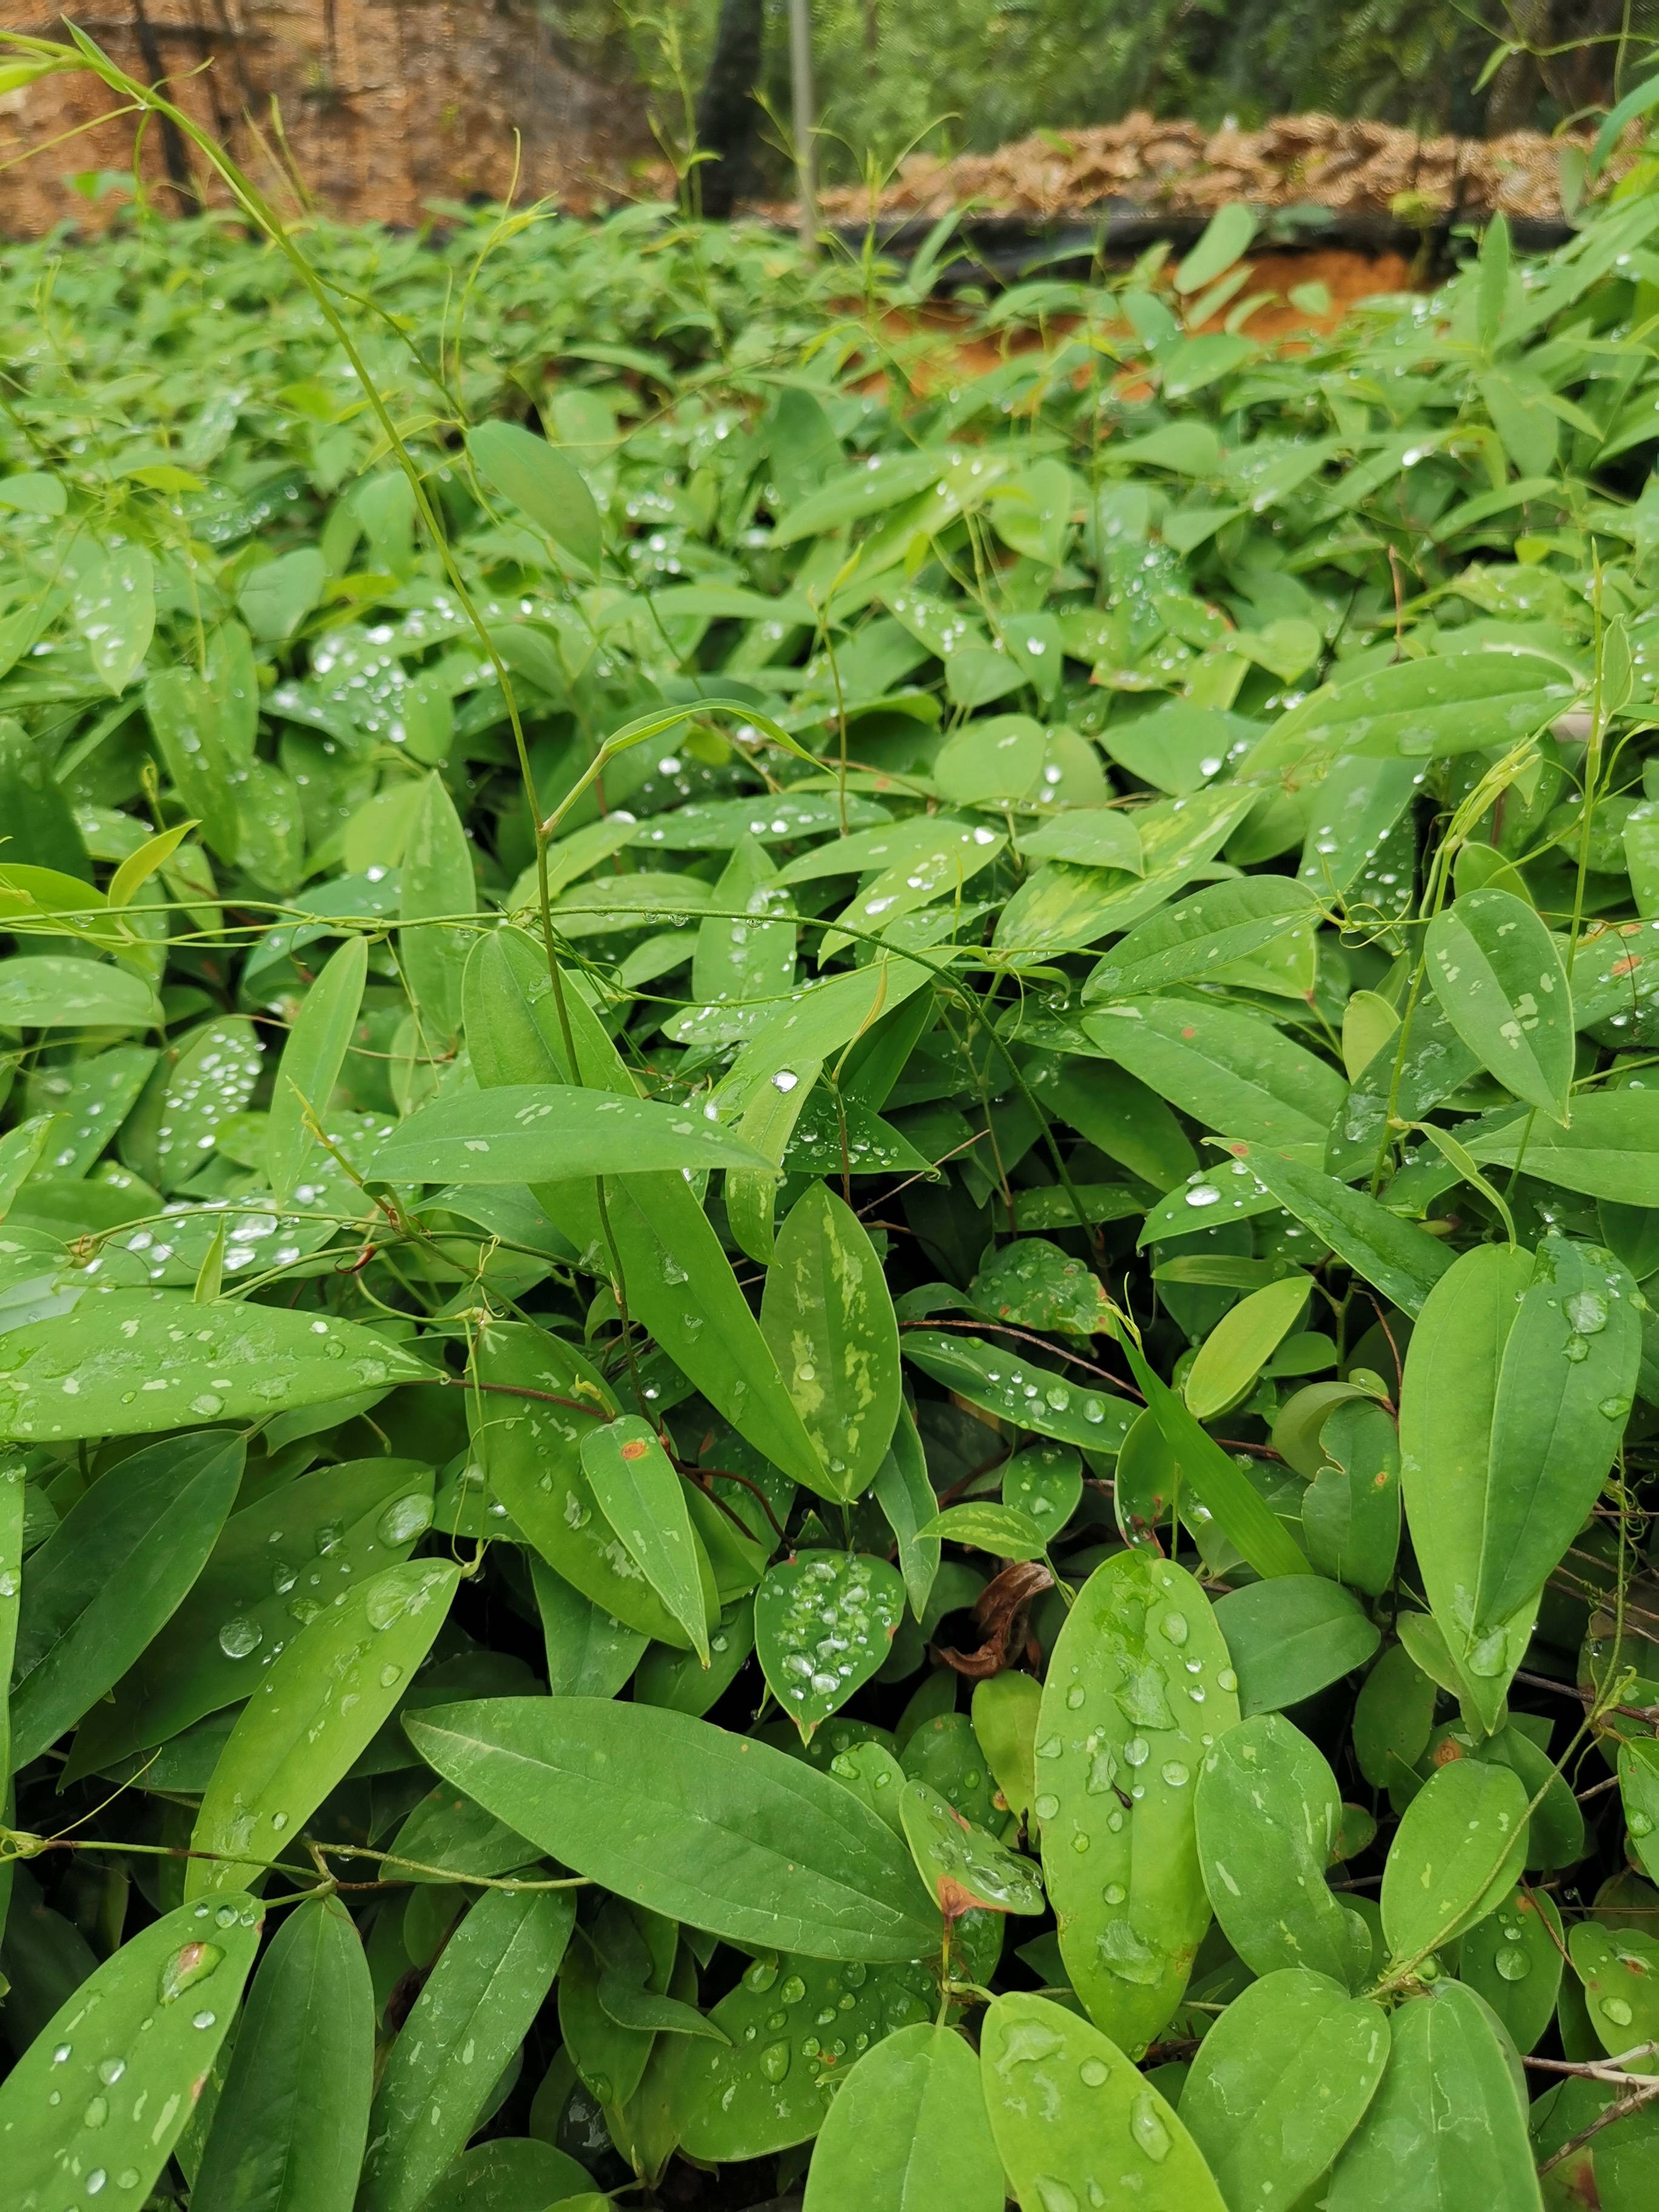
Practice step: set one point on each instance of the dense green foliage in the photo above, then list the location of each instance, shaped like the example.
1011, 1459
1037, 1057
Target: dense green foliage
912, 1427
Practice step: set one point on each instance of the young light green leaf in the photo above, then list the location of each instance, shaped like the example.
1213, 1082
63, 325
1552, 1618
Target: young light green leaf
823, 1621
644, 1500
1119, 1715
1070, 2113
908, 2132
710, 1828
988, 1527
309, 1718
1241, 1344
1497, 972
127, 1362
476, 2008
310, 1067
110, 1574
291, 2120
827, 1315
1279, 2083
109, 2083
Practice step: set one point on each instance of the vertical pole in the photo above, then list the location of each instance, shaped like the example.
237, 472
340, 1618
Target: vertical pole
806, 121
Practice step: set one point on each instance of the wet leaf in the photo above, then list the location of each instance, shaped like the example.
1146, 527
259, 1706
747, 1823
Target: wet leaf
1455, 1856
908, 2132
643, 1499
1070, 2113
823, 1621
1499, 977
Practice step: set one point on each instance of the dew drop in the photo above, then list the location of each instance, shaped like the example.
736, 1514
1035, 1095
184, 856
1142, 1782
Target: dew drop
240, 1636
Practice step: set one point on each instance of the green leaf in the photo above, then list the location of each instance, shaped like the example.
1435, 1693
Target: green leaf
1268, 1813
1351, 1516
307, 1722
1512, 1959
1619, 1970
1638, 1785
537, 477
1281, 2082
960, 1864
1229, 1069
277, 597
771, 2085
1641, 100
1447, 2123
1199, 937
1121, 1713
475, 2010
536, 1399
276, 1563
290, 2124
1452, 703
823, 1621
108, 2084
1240, 1346
1002, 1529
1239, 1513
1397, 1257
189, 726
212, 1079
1226, 236
1497, 972
110, 1574
710, 1828
1457, 1854
536, 1133
514, 2173
49, 990
907, 1498
644, 1501
1019, 1390
115, 612
1070, 2113
1291, 1636
1611, 1150
1516, 1387
310, 1067
909, 2132
437, 888
127, 1362
827, 1316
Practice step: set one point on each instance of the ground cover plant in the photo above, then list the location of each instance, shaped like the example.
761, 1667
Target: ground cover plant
822, 1334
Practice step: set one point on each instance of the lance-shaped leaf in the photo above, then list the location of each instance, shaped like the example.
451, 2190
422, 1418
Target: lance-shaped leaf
682, 1817
475, 2010
909, 2132
1139, 1685
536, 1133
1021, 1391
310, 1066
1071, 2113
51, 990
1241, 1515
1225, 922
311, 1717
1611, 1149
1447, 2123
1398, 1258
112, 1573
1268, 1812
1279, 2083
1232, 1070
1457, 1853
1516, 1385
1499, 975
827, 1316
437, 894
1241, 1344
291, 2120
109, 2084
127, 1362
644, 1500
